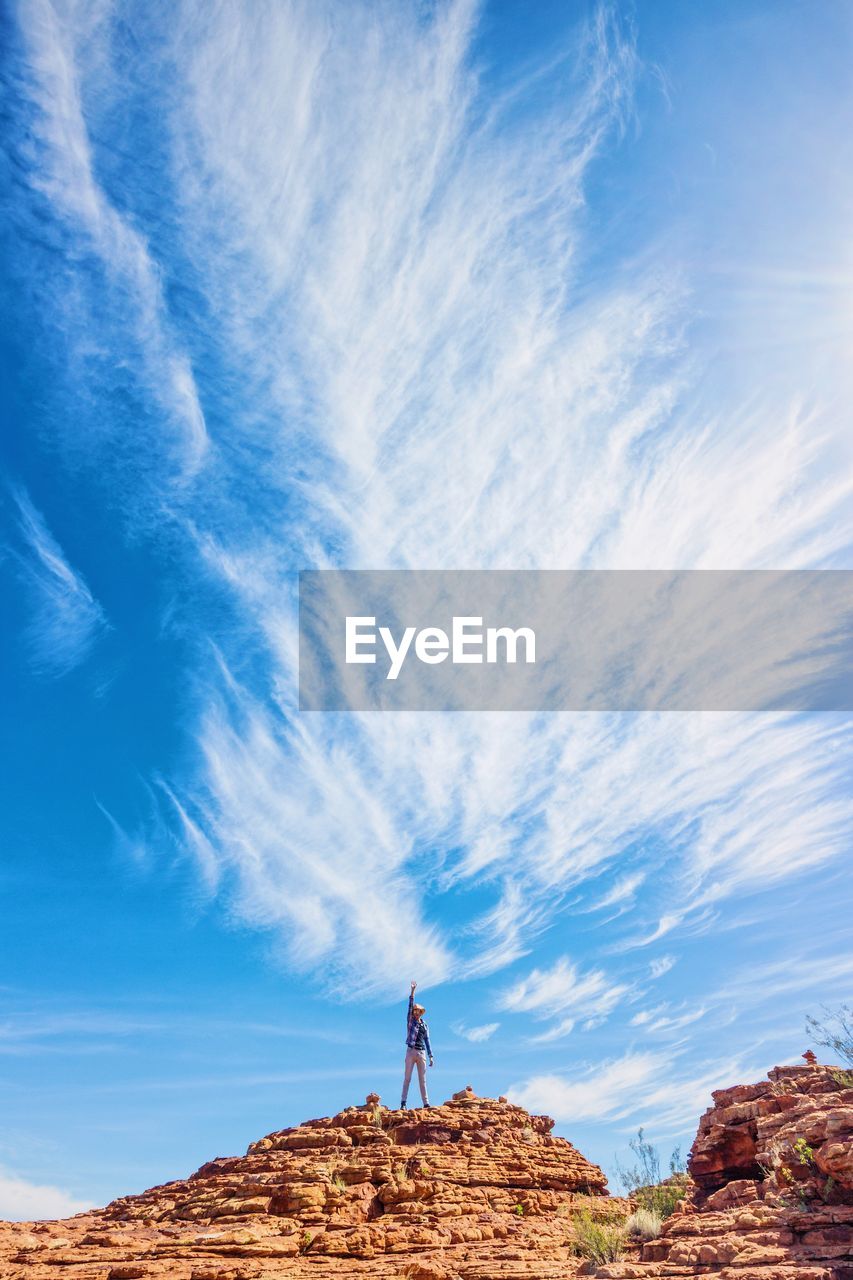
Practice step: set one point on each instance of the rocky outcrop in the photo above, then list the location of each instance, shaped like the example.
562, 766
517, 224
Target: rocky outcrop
772, 1166
476, 1189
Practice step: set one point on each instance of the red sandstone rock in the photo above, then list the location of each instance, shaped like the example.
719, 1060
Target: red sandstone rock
478, 1190
474, 1189
772, 1166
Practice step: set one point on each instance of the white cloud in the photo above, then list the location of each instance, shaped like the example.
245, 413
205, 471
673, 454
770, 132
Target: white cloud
457, 382
66, 619
60, 42
659, 1019
322, 862
643, 1085
665, 925
564, 990
476, 1035
23, 1201
610, 1091
659, 967
829, 975
624, 890
430, 374
558, 1031
505, 932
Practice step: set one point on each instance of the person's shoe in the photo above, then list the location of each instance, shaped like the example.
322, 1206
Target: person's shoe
403, 1106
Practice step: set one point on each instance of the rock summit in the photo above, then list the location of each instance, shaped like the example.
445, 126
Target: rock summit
479, 1189
476, 1188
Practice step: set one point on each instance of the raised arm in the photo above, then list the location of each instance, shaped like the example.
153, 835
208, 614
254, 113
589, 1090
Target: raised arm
410, 1013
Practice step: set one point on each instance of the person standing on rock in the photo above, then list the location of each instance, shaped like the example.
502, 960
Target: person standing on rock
418, 1048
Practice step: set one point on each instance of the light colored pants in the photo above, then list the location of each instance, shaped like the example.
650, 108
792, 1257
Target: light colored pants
415, 1058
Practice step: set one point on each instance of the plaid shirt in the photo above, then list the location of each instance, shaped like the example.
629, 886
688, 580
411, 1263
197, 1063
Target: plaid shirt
417, 1031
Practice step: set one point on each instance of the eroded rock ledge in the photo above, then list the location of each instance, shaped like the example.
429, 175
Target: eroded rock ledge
772, 1166
476, 1188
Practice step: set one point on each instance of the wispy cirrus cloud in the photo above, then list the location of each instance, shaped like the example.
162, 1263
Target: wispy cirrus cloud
829, 973
465, 453
66, 620
564, 991
623, 891
634, 1087
662, 1019
475, 1035
612, 1091
63, 46
324, 862
425, 366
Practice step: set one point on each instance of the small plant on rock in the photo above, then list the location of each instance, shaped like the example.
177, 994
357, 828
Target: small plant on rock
642, 1182
519, 1209
643, 1224
599, 1242
803, 1152
665, 1198
305, 1242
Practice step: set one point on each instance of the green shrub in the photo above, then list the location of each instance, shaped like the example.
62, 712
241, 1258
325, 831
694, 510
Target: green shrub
600, 1242
642, 1181
643, 1224
803, 1152
663, 1198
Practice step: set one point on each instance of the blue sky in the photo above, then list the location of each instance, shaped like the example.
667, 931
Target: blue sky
389, 286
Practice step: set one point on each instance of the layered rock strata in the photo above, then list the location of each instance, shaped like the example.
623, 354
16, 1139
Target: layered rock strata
479, 1190
476, 1189
772, 1167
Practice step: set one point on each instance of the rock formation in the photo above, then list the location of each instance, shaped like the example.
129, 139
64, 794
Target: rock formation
479, 1189
475, 1188
772, 1166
